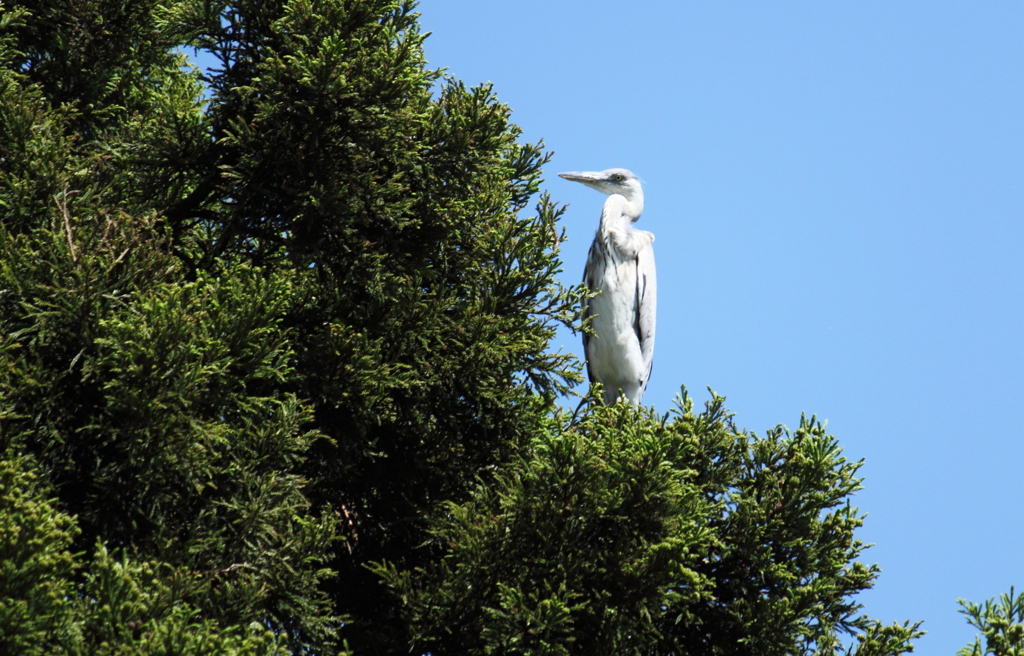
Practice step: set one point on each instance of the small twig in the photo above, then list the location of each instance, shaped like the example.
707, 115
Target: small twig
121, 256
63, 207
351, 524
217, 571
106, 233
74, 360
572, 421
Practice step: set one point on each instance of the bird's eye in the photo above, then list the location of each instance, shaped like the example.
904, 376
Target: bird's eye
618, 177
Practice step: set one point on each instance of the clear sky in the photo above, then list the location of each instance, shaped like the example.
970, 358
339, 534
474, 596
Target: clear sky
837, 191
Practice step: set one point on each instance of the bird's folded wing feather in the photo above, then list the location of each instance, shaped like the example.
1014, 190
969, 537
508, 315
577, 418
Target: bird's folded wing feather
647, 301
592, 275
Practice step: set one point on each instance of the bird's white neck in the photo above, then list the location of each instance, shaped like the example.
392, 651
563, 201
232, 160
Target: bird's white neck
620, 211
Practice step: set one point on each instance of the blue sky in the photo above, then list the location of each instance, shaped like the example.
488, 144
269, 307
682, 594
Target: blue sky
837, 191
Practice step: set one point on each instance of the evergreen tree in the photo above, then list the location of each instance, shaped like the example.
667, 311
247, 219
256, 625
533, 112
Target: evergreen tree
274, 372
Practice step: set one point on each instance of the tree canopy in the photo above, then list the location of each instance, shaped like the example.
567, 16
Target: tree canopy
276, 377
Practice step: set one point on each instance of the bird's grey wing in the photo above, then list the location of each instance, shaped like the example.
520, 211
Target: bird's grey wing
647, 302
593, 273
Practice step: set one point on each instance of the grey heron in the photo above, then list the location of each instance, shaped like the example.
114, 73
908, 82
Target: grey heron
621, 267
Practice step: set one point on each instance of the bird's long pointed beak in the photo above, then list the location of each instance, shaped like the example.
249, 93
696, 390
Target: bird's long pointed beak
580, 176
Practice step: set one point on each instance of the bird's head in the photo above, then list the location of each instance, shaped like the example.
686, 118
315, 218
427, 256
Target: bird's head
612, 181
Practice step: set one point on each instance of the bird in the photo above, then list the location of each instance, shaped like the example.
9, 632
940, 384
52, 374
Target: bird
620, 267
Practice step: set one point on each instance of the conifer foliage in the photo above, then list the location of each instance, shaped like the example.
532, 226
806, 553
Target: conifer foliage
275, 372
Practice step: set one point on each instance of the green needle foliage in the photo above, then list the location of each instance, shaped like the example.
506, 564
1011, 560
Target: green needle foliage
119, 606
34, 565
1001, 623
275, 373
259, 323
626, 533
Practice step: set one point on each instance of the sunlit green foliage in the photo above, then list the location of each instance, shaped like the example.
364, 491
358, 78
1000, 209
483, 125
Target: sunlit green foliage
35, 566
1001, 623
628, 533
120, 607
